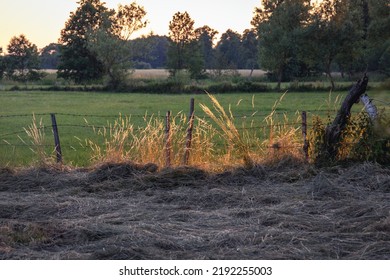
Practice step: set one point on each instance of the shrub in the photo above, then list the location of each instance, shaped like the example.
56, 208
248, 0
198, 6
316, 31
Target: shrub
361, 140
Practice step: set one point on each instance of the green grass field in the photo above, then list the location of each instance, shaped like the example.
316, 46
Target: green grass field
75, 109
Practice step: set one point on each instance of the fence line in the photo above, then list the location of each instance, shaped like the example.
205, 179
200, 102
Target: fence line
245, 116
58, 129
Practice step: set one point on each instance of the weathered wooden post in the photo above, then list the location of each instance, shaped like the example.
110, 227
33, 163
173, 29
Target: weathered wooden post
168, 139
369, 106
304, 136
56, 138
333, 131
189, 132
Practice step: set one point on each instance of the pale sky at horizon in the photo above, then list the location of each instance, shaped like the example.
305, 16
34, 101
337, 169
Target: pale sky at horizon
42, 20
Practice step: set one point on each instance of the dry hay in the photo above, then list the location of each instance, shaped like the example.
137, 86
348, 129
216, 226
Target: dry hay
125, 211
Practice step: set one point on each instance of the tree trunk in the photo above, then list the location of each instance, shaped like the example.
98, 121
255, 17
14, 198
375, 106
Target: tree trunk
332, 137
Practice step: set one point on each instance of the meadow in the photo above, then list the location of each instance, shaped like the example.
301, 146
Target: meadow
82, 116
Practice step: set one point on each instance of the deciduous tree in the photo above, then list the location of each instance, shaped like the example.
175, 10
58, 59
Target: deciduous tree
335, 33
109, 43
181, 33
205, 35
2, 64
378, 35
22, 60
229, 50
279, 24
49, 56
77, 62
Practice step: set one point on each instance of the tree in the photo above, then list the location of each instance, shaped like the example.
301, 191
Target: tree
150, 51
337, 31
195, 62
378, 35
229, 50
249, 49
22, 60
2, 64
77, 62
49, 56
109, 43
279, 24
205, 36
182, 34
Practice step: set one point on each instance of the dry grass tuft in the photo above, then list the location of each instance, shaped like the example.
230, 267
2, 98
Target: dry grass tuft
230, 132
36, 134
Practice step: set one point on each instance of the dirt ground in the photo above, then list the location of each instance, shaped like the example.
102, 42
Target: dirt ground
288, 211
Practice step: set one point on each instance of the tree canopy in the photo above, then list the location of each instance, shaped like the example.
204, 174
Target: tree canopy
290, 39
22, 60
94, 41
297, 37
181, 34
77, 62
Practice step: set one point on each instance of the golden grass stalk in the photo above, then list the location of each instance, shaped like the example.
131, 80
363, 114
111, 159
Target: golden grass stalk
36, 134
115, 140
230, 132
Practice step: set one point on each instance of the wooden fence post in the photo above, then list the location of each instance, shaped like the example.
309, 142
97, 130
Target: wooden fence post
304, 135
168, 139
56, 138
189, 132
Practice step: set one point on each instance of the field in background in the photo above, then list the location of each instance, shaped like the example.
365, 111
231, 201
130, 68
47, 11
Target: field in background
163, 73
81, 114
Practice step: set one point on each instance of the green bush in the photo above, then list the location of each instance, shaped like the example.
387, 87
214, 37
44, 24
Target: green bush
361, 140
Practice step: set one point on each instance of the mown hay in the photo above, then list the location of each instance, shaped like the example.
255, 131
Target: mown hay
126, 211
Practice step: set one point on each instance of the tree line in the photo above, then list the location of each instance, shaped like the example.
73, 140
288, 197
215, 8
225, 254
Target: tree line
291, 39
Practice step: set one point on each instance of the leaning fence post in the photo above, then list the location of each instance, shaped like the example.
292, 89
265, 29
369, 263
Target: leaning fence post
56, 138
168, 139
189, 132
304, 135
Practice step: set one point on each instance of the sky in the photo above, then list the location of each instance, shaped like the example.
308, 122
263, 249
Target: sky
42, 20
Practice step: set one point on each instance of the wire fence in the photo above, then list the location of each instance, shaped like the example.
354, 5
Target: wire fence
70, 132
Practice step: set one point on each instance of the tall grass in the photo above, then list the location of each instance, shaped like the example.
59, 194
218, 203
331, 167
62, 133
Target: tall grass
36, 133
216, 140
123, 142
225, 121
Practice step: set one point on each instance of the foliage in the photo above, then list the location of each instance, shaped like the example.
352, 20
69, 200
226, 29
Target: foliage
22, 60
362, 139
378, 35
182, 36
229, 51
111, 45
336, 27
94, 42
205, 36
150, 50
49, 56
2, 64
279, 25
249, 43
303, 38
77, 63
